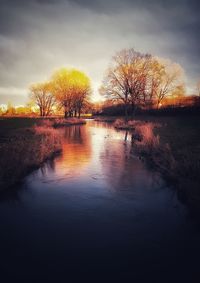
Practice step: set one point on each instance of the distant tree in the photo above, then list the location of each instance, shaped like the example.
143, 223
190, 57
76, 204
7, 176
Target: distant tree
155, 71
21, 110
31, 109
3, 109
72, 89
10, 109
179, 91
198, 88
41, 93
176, 98
24, 110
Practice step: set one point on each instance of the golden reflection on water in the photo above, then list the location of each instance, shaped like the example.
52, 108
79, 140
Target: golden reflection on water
98, 152
82, 146
97, 156
76, 150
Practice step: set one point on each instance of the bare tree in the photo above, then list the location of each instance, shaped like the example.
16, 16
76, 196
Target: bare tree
81, 99
42, 95
126, 77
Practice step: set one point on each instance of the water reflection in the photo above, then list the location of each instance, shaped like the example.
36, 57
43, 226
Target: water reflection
126, 172
83, 148
95, 156
76, 151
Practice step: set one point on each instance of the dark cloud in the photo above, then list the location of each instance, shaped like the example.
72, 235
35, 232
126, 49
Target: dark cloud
38, 36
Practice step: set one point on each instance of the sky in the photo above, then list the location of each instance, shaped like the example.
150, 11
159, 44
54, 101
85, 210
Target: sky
38, 37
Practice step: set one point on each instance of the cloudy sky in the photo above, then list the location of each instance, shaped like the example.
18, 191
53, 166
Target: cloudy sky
39, 36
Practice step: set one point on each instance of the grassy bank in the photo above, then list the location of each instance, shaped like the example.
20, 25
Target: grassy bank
24, 150
8, 124
66, 122
105, 119
172, 146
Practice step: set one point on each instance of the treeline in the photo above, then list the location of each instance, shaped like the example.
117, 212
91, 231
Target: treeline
23, 110
133, 82
191, 106
68, 90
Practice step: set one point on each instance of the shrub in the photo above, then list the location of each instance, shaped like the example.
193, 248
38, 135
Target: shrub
59, 122
46, 123
144, 138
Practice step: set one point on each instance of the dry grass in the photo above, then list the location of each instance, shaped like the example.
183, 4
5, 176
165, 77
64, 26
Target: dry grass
61, 122
148, 145
179, 163
46, 123
120, 124
24, 150
50, 141
105, 119
145, 131
67, 122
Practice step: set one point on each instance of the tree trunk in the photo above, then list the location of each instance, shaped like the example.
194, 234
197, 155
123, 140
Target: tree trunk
126, 136
126, 112
134, 110
66, 114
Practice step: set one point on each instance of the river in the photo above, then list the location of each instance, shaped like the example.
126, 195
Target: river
96, 212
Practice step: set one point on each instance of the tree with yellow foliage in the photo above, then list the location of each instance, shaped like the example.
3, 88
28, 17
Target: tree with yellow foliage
10, 109
71, 88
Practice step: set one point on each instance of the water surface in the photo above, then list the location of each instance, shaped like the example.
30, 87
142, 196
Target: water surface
96, 212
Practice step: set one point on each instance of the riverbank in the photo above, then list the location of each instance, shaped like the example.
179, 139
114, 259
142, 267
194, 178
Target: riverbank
171, 146
59, 122
24, 150
25, 144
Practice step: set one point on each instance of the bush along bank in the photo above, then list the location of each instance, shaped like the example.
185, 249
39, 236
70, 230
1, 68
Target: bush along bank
62, 122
